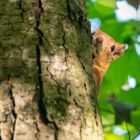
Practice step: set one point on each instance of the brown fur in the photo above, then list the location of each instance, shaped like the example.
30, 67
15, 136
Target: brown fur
104, 50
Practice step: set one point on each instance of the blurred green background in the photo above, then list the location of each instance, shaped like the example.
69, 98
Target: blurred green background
119, 97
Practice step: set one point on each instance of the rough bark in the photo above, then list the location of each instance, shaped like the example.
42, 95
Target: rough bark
46, 85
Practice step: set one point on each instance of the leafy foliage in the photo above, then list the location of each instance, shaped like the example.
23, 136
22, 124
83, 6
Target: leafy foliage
119, 71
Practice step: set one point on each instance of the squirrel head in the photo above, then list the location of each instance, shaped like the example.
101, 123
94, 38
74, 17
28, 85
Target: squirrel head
106, 46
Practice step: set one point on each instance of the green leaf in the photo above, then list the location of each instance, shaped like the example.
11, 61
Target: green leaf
100, 8
107, 3
111, 136
135, 119
130, 96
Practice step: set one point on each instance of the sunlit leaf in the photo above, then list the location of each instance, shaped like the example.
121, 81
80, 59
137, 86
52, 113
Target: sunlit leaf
111, 136
107, 3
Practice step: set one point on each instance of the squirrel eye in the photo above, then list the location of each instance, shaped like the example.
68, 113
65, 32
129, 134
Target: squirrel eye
112, 48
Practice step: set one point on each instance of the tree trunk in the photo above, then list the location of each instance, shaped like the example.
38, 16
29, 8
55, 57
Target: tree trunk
46, 85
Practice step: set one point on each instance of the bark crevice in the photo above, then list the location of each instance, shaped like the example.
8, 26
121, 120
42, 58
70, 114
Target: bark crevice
22, 11
38, 9
13, 112
39, 87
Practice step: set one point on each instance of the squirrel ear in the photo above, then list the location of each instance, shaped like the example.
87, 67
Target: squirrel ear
98, 41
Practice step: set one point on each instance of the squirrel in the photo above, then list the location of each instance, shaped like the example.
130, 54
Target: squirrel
104, 49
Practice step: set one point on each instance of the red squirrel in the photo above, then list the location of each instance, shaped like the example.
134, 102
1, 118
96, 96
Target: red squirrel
104, 50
